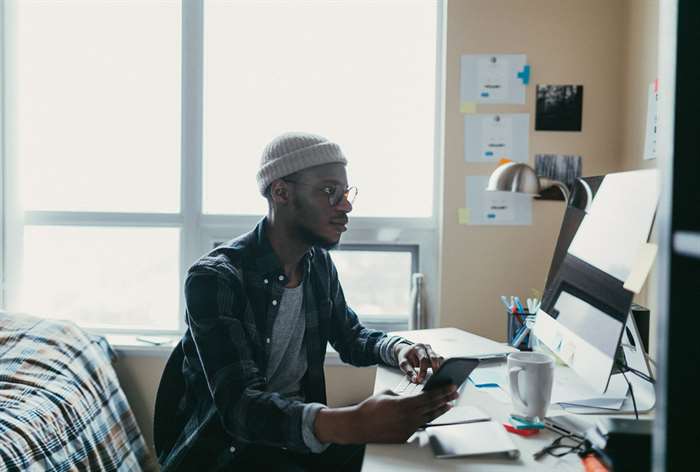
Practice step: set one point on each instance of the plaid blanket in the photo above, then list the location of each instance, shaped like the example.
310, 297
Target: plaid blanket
61, 407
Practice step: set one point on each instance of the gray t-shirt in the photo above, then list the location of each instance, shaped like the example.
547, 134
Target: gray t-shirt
288, 363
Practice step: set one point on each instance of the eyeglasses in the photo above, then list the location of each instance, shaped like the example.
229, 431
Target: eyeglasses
335, 193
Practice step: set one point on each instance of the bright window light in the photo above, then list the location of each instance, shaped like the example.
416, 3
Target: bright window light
375, 282
122, 277
95, 99
359, 72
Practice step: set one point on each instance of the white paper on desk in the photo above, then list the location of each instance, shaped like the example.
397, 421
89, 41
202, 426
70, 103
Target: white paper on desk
570, 390
618, 222
460, 414
498, 394
453, 342
487, 437
489, 376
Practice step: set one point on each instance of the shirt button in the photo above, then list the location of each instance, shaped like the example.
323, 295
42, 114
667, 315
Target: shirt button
232, 449
267, 340
266, 281
280, 278
274, 302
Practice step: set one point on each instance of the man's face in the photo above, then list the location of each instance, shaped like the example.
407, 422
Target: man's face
317, 222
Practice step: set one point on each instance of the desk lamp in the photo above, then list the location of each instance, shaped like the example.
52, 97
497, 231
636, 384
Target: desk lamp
521, 178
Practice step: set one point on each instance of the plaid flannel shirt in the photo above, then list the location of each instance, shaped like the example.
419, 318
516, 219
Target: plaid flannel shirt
232, 296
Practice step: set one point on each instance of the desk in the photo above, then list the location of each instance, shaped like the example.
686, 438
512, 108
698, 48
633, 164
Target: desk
416, 455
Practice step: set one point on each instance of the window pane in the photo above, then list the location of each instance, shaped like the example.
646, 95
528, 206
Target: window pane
126, 277
375, 283
96, 92
361, 73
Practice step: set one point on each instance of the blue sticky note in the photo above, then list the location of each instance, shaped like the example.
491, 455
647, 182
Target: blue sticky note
484, 94
488, 153
524, 74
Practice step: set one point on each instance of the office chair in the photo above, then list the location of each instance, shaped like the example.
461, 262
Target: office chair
170, 390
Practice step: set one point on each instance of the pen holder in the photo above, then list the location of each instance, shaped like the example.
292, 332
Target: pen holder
516, 322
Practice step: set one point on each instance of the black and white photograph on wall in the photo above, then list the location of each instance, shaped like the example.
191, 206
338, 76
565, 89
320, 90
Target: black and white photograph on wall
561, 167
559, 107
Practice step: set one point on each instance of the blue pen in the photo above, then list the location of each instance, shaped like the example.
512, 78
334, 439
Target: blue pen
517, 336
520, 307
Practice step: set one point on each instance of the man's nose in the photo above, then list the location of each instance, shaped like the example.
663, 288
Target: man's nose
344, 205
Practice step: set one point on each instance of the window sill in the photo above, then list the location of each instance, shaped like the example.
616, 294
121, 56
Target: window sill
129, 345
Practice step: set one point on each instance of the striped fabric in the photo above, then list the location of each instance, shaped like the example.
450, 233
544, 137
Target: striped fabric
61, 407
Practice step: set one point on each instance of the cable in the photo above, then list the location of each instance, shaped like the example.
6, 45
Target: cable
634, 402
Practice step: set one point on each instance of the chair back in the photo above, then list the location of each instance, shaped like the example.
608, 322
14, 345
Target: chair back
166, 427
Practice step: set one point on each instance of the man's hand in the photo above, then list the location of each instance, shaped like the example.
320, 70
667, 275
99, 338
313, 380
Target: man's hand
383, 418
419, 356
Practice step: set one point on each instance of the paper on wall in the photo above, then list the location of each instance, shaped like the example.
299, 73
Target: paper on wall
495, 208
493, 78
652, 121
492, 137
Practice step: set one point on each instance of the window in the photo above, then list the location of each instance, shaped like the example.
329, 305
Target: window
127, 155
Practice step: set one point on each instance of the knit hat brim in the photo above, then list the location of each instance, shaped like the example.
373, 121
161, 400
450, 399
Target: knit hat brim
300, 159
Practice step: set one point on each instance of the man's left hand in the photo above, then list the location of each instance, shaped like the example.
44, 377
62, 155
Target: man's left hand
417, 356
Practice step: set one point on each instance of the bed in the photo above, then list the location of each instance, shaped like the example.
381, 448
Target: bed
61, 406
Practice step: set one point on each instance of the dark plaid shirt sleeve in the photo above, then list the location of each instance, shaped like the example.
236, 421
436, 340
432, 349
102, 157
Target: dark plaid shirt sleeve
356, 344
215, 308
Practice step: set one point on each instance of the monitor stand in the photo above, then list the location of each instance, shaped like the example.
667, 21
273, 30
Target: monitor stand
644, 394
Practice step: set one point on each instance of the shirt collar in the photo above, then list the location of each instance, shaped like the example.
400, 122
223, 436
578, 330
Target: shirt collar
266, 262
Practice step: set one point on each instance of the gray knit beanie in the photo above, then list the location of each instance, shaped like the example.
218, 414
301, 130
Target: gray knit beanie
292, 152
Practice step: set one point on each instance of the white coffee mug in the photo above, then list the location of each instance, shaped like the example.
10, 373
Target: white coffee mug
531, 375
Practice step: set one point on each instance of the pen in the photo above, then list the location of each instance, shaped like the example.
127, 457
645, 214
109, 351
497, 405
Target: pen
504, 300
520, 307
520, 336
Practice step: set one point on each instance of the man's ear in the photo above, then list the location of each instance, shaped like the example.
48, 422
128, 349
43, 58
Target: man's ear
279, 192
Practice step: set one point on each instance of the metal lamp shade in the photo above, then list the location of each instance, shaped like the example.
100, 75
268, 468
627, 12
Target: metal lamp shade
514, 177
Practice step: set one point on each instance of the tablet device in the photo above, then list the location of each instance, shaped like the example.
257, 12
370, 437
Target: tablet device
454, 371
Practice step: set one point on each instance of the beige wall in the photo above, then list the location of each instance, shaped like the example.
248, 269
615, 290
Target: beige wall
566, 42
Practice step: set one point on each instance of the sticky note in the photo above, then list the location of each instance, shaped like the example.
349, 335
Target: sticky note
468, 107
641, 267
463, 216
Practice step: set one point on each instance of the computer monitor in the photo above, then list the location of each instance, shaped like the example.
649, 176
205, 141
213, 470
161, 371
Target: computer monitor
586, 307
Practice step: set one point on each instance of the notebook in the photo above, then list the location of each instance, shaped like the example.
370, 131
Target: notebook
460, 414
471, 439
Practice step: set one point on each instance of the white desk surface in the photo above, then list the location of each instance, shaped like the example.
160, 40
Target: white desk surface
416, 455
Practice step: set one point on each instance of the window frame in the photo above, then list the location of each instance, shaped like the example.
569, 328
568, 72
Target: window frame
198, 230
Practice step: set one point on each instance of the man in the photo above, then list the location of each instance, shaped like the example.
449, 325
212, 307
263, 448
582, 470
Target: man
260, 310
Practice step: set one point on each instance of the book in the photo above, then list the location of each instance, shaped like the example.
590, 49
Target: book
460, 414
471, 439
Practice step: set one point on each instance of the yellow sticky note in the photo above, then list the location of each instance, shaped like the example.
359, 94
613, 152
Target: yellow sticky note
468, 107
463, 216
641, 267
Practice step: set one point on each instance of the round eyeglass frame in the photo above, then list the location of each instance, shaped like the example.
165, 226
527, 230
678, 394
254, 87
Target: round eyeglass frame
349, 194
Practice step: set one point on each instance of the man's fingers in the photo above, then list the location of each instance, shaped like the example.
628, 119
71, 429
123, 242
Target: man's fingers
408, 369
435, 360
423, 361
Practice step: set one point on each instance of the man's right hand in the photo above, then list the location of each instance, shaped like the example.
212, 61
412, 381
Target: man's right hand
383, 418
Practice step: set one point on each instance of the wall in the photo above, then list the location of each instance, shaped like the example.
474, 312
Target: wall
566, 42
